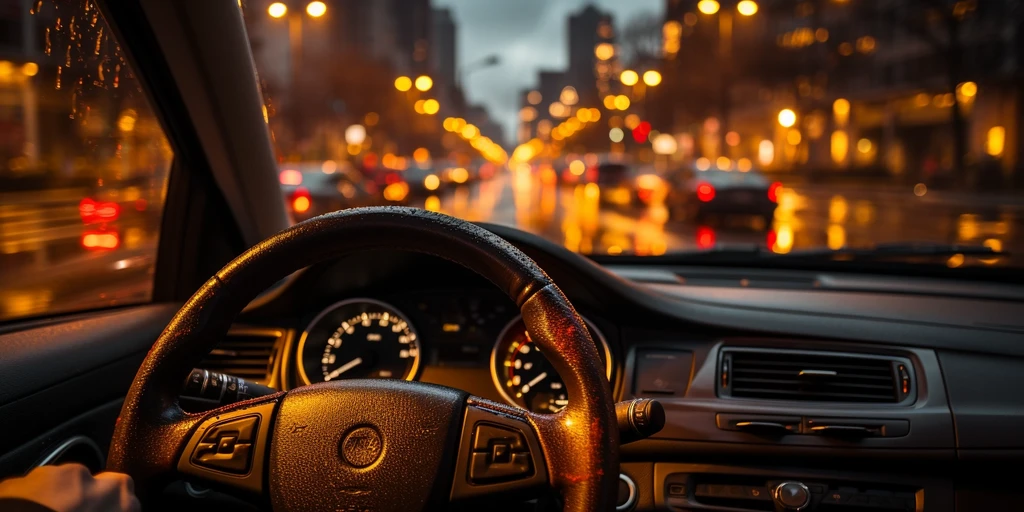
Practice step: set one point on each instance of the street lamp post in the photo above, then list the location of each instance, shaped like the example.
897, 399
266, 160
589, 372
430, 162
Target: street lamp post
486, 62
277, 10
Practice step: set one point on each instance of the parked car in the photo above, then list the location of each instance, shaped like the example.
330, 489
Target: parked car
700, 195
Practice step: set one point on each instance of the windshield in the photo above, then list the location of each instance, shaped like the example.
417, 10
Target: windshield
653, 127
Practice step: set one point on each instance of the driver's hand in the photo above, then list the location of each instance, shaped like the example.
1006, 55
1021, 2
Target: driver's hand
69, 488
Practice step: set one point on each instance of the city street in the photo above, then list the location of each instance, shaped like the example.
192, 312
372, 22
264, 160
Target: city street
808, 216
45, 261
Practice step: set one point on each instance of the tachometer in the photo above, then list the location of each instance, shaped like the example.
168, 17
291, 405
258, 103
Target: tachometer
359, 338
525, 377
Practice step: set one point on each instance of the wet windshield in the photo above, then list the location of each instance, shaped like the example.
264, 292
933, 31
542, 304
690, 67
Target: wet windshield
640, 127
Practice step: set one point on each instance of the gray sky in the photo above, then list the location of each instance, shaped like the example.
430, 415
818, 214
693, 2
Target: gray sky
529, 35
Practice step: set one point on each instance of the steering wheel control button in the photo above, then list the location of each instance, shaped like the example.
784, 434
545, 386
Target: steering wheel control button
227, 446
499, 454
362, 447
485, 436
791, 495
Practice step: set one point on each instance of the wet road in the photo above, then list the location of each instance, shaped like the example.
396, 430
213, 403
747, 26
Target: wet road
808, 216
46, 266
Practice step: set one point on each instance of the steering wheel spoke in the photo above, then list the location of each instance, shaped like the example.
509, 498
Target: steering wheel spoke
229, 446
499, 454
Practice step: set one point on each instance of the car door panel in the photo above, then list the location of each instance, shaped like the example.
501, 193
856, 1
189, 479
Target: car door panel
60, 380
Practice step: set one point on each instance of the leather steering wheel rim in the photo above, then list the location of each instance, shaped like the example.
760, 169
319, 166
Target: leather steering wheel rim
579, 444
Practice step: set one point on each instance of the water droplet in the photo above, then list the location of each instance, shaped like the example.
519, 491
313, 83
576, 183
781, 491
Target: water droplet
58, 77
99, 72
67, 58
46, 48
99, 41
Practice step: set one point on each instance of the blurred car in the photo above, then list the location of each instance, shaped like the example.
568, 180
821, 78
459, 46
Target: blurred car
309, 190
700, 195
618, 183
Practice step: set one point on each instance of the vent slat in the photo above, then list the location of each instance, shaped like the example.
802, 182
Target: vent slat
776, 375
249, 356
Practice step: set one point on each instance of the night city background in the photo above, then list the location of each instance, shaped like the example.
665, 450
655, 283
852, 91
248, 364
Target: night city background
615, 127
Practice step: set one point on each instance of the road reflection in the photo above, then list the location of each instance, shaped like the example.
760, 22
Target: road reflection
58, 253
808, 216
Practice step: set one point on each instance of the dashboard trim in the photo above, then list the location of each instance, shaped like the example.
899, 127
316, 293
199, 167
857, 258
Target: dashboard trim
609, 365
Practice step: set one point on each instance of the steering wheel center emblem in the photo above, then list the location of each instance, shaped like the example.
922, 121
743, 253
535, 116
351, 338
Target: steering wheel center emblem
362, 447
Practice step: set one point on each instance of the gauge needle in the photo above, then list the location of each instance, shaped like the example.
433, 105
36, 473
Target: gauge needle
532, 383
344, 368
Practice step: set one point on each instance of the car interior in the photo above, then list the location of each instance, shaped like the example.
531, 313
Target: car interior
394, 358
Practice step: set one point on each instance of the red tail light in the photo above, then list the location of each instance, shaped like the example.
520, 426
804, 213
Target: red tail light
92, 211
705, 192
773, 191
705, 237
769, 239
301, 200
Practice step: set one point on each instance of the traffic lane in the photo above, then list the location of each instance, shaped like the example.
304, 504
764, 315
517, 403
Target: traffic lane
808, 216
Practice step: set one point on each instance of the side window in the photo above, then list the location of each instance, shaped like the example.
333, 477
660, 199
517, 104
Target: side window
83, 164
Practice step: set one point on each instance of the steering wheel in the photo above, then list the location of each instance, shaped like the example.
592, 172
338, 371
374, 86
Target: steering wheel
373, 444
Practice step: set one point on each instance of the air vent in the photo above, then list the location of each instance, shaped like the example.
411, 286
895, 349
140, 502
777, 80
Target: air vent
245, 352
814, 376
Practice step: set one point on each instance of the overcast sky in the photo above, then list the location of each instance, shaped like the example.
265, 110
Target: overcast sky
529, 35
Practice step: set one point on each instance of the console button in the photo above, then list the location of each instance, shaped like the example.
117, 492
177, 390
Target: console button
791, 495
227, 446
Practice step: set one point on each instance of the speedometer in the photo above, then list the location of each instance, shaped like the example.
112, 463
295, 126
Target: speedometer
359, 338
525, 377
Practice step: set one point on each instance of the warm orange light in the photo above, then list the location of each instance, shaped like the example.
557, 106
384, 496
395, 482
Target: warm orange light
431, 107
421, 155
431, 182
604, 51
30, 69
419, 106
424, 83
403, 83
787, 118
622, 102
277, 10
300, 204
470, 131
747, 7
708, 6
100, 240
652, 78
609, 102
316, 9
459, 175
629, 77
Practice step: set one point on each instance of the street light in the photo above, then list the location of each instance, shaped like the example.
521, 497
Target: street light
747, 7
403, 83
424, 83
652, 78
629, 77
708, 6
277, 10
787, 118
316, 9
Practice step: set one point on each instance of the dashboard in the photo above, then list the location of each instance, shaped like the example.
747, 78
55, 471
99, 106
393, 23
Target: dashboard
868, 392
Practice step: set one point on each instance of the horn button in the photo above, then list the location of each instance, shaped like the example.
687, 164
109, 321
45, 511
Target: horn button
381, 444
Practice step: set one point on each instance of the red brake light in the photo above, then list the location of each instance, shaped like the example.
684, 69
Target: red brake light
300, 200
705, 237
773, 191
705, 192
91, 211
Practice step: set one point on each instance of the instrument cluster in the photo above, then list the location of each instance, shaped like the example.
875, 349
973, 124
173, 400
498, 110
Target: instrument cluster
398, 337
